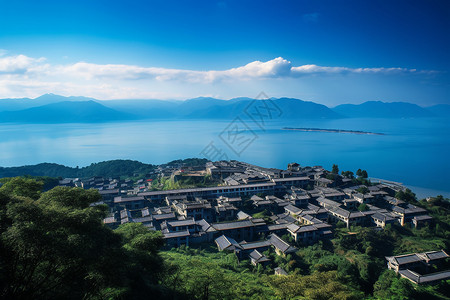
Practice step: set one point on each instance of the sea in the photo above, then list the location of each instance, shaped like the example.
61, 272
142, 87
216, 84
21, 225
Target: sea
414, 152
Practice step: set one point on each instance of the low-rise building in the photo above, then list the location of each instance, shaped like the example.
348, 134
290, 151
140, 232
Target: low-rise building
281, 247
257, 258
198, 210
309, 234
416, 267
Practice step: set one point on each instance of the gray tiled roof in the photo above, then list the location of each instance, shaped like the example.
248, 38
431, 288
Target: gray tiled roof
181, 223
307, 228
280, 244
417, 278
293, 227
436, 255
226, 243
277, 227
143, 219
164, 216
233, 225
242, 215
176, 234
406, 259
382, 217
423, 218
255, 245
258, 257
293, 209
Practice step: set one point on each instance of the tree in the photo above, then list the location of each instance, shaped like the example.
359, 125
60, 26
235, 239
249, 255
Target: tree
348, 174
363, 207
362, 190
389, 286
364, 174
21, 187
144, 267
54, 245
406, 195
335, 169
359, 173
319, 285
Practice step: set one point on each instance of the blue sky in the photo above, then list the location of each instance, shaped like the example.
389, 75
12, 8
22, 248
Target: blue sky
330, 52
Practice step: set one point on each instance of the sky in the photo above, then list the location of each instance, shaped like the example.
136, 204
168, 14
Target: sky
329, 52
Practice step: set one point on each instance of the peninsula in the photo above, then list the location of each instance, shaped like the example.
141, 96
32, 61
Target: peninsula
332, 130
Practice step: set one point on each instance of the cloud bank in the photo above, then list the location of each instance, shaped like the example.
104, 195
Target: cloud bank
31, 76
275, 68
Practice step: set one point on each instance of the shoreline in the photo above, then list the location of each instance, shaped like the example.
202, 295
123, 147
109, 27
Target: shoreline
331, 130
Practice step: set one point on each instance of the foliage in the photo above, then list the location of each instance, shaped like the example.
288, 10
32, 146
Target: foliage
335, 169
203, 274
406, 195
319, 285
390, 286
53, 245
112, 168
21, 187
188, 162
183, 181
362, 190
362, 173
363, 207
331, 176
348, 174
261, 215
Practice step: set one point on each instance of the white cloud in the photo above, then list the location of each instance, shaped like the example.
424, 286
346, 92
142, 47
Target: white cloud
275, 68
21, 75
18, 64
313, 69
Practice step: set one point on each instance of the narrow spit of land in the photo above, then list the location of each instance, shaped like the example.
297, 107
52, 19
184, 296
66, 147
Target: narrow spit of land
332, 130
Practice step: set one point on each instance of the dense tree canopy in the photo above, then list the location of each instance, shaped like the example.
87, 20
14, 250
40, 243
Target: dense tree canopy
112, 168
53, 245
335, 169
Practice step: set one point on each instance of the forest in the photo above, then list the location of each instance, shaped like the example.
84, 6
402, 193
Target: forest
110, 168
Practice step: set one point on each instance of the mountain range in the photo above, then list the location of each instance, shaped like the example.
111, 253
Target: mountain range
50, 108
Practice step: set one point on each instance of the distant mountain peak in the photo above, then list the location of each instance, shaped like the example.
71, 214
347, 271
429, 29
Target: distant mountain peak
380, 109
52, 108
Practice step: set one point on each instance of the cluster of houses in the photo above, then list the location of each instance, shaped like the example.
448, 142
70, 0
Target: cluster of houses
303, 202
420, 268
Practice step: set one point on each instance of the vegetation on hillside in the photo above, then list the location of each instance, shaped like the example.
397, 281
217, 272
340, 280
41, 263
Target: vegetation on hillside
183, 182
111, 168
53, 245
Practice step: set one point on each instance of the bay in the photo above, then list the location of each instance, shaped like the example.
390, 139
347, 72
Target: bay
412, 151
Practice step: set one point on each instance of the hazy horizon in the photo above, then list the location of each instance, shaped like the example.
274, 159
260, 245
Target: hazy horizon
328, 52
223, 99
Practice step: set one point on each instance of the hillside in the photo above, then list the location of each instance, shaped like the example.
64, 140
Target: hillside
441, 110
66, 112
290, 108
13, 104
379, 109
50, 108
112, 168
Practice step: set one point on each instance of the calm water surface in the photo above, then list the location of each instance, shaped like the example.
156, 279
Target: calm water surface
412, 151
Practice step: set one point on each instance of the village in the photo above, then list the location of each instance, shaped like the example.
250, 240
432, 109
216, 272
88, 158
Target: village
252, 209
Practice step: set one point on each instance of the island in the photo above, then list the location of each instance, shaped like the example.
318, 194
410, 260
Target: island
332, 130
